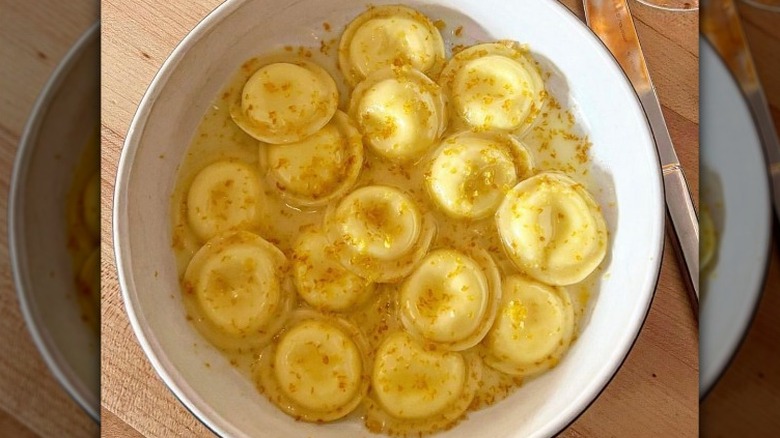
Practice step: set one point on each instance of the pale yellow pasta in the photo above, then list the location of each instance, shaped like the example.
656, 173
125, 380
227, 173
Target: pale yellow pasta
236, 290
709, 238
224, 196
321, 280
90, 200
285, 102
379, 233
494, 86
402, 259
387, 36
416, 389
450, 299
552, 229
319, 168
533, 329
401, 112
317, 370
471, 172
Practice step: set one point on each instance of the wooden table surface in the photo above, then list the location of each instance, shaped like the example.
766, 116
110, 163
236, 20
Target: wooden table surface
747, 398
655, 393
34, 36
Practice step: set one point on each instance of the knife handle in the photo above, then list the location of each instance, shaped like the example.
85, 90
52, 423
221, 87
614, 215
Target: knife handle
685, 225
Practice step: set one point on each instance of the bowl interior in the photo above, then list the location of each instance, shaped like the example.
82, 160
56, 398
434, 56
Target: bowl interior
625, 164
63, 120
736, 187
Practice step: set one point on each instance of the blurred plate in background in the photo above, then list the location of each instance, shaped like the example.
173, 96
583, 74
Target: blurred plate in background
63, 121
735, 187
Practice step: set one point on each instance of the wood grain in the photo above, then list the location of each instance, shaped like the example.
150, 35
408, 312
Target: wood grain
33, 38
747, 398
655, 393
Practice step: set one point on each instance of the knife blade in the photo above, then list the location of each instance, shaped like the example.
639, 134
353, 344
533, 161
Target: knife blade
721, 26
611, 21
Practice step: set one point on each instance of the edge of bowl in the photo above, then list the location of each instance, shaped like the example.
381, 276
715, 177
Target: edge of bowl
129, 148
706, 384
635, 330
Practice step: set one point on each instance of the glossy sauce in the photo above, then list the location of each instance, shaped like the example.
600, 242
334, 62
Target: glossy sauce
556, 142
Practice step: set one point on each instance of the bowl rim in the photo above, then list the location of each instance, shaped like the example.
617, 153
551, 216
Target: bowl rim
133, 139
16, 244
706, 386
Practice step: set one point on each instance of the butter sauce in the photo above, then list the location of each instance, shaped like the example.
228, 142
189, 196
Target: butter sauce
555, 141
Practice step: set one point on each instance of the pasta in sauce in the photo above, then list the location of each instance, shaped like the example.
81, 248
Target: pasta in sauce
403, 250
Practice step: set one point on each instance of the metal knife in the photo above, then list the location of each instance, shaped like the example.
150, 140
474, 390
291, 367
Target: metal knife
611, 21
720, 24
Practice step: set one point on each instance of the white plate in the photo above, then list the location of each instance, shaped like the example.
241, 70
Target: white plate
624, 159
735, 184
62, 122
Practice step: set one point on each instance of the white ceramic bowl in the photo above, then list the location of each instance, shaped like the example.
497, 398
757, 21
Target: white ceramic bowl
624, 158
736, 186
63, 120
